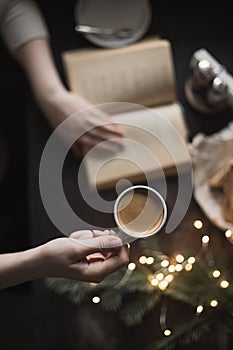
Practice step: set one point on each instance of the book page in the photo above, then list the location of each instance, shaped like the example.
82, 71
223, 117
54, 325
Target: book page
142, 73
154, 142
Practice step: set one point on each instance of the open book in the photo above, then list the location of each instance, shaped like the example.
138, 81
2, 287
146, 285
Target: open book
140, 74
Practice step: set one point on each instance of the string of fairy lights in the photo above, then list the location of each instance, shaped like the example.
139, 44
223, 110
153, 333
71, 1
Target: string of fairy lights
169, 268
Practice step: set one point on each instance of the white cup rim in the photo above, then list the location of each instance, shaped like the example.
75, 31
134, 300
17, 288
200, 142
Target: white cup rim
148, 189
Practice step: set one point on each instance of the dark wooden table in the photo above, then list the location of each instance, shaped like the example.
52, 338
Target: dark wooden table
33, 317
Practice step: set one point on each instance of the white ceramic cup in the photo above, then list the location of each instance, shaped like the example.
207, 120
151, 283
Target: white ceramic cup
155, 211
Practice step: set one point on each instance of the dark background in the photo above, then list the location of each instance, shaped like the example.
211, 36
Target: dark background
189, 26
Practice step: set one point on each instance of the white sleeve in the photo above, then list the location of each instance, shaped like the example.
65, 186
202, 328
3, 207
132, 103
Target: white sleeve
21, 22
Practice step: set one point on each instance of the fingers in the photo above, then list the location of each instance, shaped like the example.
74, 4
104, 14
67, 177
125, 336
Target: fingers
100, 243
104, 133
106, 124
85, 234
88, 140
91, 121
98, 270
99, 254
112, 128
81, 234
98, 117
104, 254
97, 233
95, 118
98, 127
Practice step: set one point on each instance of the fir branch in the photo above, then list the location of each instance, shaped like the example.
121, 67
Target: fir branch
176, 294
113, 279
111, 300
132, 294
185, 334
74, 290
150, 246
195, 333
229, 333
134, 310
137, 282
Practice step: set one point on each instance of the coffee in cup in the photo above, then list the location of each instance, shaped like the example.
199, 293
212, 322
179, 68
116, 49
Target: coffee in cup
140, 211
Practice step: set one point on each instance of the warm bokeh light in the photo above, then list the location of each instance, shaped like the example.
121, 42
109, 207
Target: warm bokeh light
200, 308
131, 266
228, 233
167, 332
191, 260
171, 268
163, 285
169, 278
179, 267
93, 284
154, 282
164, 263
150, 260
159, 276
188, 267
198, 224
150, 277
96, 300
142, 259
214, 303
224, 284
205, 239
216, 273
179, 258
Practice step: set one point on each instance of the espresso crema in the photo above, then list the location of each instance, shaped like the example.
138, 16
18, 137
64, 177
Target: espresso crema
140, 212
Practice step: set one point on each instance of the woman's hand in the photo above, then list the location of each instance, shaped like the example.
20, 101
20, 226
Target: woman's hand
91, 123
58, 104
84, 256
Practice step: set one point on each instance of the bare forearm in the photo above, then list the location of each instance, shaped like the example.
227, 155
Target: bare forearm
36, 59
57, 103
37, 62
66, 258
21, 267
52, 97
